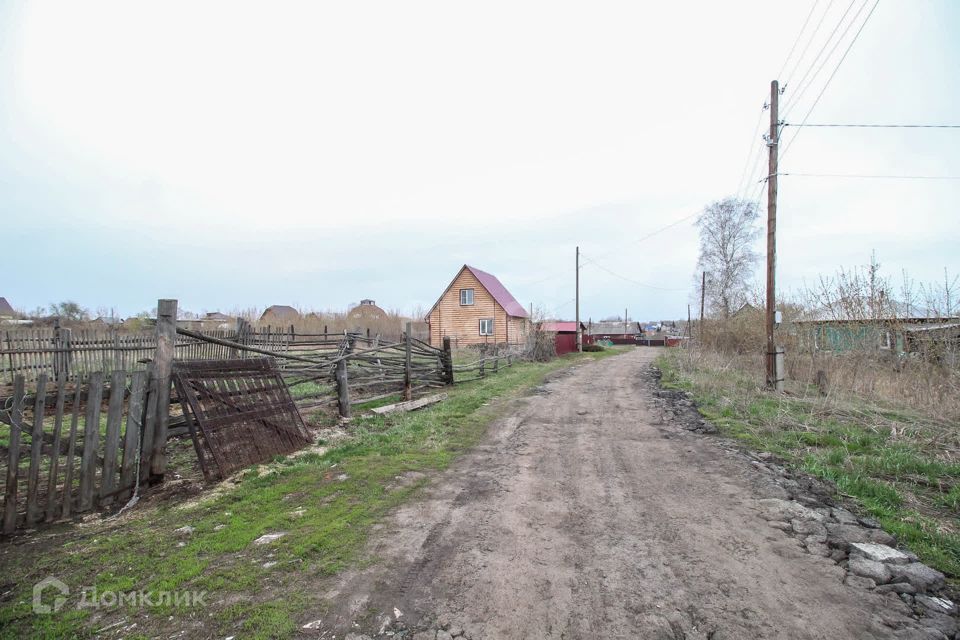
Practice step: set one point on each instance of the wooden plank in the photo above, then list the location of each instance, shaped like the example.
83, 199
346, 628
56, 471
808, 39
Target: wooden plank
132, 435
149, 424
13, 457
67, 495
118, 388
36, 445
409, 405
166, 338
91, 442
55, 448
343, 390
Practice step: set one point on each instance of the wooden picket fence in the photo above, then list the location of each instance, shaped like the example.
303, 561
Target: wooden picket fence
74, 446
75, 353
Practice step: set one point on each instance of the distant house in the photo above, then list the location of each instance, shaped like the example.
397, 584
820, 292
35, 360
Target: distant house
365, 313
106, 321
566, 335
279, 314
216, 320
747, 310
885, 334
476, 308
6, 311
610, 329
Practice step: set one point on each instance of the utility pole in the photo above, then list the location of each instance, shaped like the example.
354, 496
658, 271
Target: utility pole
625, 321
773, 377
703, 299
579, 333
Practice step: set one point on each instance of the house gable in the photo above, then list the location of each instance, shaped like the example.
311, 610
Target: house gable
462, 322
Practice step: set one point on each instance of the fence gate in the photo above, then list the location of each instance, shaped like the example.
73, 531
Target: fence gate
243, 409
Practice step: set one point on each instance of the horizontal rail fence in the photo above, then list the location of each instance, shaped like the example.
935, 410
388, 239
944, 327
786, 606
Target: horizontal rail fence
351, 365
487, 363
71, 447
75, 353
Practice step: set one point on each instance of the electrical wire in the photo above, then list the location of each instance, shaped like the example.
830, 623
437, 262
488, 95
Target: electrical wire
801, 85
866, 175
806, 47
830, 79
875, 126
630, 280
796, 41
744, 176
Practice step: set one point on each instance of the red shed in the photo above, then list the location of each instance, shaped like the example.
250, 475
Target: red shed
566, 338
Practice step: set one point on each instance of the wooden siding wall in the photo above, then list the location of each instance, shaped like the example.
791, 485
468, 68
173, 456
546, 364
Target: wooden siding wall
462, 322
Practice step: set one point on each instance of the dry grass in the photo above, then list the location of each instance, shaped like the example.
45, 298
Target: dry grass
885, 436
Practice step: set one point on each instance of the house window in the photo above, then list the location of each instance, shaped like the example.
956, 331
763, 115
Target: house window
466, 296
885, 340
486, 325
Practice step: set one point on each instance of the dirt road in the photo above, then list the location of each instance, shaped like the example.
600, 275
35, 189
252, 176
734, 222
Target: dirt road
583, 516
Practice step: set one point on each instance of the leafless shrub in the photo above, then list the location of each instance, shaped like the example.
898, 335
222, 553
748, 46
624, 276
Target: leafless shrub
541, 345
853, 334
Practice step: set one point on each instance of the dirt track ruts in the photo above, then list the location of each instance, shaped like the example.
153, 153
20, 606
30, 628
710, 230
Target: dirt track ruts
580, 516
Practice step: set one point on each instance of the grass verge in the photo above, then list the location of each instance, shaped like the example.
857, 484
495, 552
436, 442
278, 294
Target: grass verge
324, 502
890, 459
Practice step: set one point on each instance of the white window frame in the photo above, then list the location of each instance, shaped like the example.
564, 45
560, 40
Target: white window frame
490, 330
886, 340
464, 294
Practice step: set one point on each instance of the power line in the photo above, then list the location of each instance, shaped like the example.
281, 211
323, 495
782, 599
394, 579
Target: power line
797, 39
801, 87
806, 47
865, 175
630, 280
832, 74
647, 236
875, 126
744, 176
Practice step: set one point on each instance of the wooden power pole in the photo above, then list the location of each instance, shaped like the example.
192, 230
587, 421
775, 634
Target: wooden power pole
773, 376
703, 299
579, 333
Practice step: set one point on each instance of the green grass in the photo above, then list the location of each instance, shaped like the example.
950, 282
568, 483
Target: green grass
325, 502
884, 457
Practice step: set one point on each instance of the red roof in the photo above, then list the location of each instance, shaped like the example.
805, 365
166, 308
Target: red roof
499, 292
560, 327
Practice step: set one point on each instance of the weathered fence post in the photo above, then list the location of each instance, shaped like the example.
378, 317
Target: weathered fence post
447, 360
408, 345
57, 349
13, 457
483, 362
343, 389
162, 364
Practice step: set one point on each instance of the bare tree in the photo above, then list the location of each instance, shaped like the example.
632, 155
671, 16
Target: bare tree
728, 229
69, 310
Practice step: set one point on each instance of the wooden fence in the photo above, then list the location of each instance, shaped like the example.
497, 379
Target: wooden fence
486, 364
76, 352
85, 438
70, 448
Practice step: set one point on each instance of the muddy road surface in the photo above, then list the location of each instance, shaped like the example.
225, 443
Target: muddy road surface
586, 514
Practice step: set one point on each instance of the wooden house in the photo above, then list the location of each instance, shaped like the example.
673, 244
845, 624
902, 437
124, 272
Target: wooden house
279, 315
476, 308
6, 311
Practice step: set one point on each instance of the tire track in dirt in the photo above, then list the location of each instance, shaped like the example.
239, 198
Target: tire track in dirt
580, 516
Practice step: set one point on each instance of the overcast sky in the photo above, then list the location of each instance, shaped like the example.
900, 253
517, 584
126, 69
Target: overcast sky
237, 155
